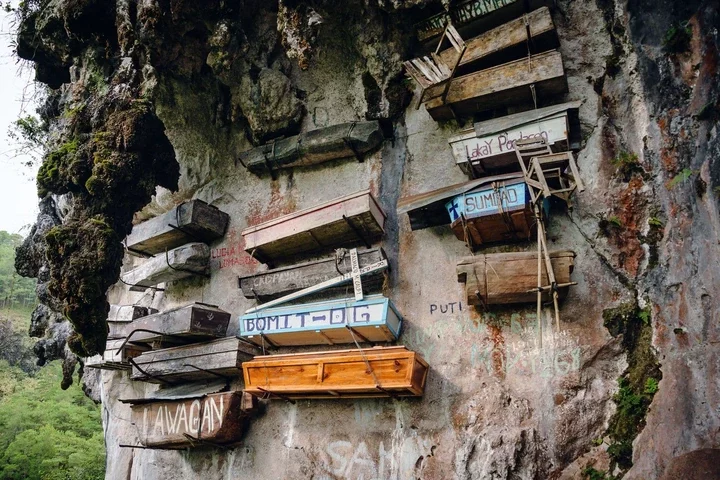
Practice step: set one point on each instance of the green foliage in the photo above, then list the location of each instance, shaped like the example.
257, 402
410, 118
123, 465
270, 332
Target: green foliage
677, 38
15, 291
62, 170
655, 222
681, 177
644, 315
47, 433
30, 134
615, 221
651, 386
627, 163
589, 473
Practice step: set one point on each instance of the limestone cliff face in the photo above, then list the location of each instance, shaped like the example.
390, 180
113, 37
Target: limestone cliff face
151, 88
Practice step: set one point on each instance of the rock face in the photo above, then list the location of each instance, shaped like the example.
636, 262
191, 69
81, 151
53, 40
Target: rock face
626, 385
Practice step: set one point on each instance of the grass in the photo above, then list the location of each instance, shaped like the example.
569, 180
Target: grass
627, 163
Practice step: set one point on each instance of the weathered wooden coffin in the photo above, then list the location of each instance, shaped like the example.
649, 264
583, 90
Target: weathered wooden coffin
344, 221
218, 419
504, 278
198, 361
490, 145
279, 282
121, 316
353, 139
115, 357
186, 324
337, 374
507, 42
192, 221
474, 16
507, 84
181, 262
373, 319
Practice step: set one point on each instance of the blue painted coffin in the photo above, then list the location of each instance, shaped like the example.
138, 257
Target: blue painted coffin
372, 319
489, 201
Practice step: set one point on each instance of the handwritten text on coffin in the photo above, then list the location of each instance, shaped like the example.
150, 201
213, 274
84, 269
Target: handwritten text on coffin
552, 129
191, 417
338, 315
487, 202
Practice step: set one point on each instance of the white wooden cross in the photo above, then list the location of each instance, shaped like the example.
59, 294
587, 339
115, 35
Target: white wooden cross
355, 275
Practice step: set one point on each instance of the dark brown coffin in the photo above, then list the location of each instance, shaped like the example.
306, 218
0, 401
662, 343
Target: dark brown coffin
186, 324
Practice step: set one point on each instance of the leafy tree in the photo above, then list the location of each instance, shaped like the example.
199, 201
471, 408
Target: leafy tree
15, 291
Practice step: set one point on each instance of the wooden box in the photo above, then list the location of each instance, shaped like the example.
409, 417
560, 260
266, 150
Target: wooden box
507, 42
505, 278
507, 84
198, 361
176, 264
121, 316
373, 319
115, 358
218, 419
396, 371
186, 324
192, 221
279, 282
348, 220
501, 212
490, 145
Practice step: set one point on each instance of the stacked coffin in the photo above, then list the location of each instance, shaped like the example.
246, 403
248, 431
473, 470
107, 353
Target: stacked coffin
286, 319
115, 357
515, 163
174, 244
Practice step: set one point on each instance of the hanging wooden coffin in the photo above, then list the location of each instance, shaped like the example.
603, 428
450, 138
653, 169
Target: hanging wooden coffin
490, 146
392, 371
507, 84
116, 356
348, 220
218, 419
279, 282
192, 362
474, 16
192, 221
373, 319
353, 139
186, 324
504, 278
498, 213
181, 262
507, 42
121, 316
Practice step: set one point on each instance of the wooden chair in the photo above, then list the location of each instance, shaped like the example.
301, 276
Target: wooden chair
432, 71
548, 173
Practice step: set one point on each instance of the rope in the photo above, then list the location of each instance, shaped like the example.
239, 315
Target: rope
367, 363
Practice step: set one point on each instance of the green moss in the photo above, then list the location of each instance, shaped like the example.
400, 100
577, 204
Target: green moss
677, 38
633, 397
63, 170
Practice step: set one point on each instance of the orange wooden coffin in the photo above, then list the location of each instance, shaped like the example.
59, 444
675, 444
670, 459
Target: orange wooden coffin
215, 419
394, 371
504, 278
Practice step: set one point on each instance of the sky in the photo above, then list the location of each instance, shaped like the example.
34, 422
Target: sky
18, 194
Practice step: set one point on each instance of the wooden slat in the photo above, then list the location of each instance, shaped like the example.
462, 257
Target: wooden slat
317, 229
344, 373
500, 86
506, 278
198, 222
181, 262
183, 324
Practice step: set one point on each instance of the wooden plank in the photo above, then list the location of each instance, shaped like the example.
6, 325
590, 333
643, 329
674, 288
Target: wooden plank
324, 323
519, 227
508, 278
317, 146
338, 374
503, 85
181, 262
185, 324
197, 222
276, 283
177, 364
508, 41
215, 419
317, 229
115, 357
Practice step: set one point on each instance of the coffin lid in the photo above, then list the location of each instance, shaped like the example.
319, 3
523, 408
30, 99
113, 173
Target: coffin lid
501, 124
511, 256
428, 209
328, 353
185, 391
299, 213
